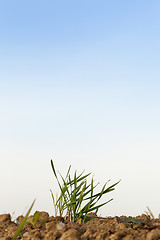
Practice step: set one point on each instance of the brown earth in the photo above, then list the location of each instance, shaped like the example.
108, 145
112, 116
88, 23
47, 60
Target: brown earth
109, 228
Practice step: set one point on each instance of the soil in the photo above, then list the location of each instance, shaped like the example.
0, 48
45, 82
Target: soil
98, 228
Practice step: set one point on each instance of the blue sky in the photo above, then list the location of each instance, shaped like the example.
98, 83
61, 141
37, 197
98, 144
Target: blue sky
79, 83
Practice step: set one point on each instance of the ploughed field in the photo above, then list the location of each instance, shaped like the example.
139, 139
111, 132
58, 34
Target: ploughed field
97, 228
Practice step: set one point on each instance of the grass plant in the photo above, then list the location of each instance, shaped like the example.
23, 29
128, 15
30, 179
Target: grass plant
77, 197
24, 221
149, 213
36, 217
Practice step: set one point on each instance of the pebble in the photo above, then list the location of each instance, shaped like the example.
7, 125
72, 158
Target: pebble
25, 234
60, 226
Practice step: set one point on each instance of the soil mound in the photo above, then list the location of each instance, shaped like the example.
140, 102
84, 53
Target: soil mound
98, 228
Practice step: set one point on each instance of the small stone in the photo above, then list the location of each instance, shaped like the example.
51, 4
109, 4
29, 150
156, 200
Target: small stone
60, 226
26, 234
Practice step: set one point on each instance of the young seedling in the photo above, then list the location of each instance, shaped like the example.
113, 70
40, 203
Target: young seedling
23, 222
77, 197
149, 213
133, 220
35, 219
58, 204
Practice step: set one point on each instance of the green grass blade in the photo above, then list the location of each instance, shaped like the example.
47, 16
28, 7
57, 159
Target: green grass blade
89, 191
109, 189
92, 188
54, 203
36, 217
67, 172
80, 178
53, 168
96, 207
80, 199
23, 222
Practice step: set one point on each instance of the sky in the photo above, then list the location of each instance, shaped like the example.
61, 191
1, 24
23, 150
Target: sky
80, 84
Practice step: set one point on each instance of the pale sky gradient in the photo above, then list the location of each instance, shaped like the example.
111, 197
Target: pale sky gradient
80, 84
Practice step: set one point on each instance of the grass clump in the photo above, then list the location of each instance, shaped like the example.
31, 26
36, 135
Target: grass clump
77, 197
